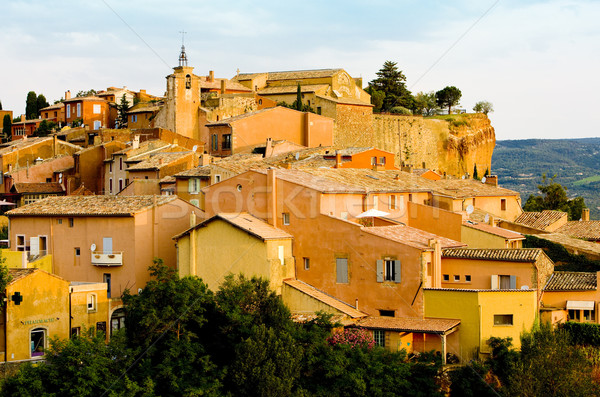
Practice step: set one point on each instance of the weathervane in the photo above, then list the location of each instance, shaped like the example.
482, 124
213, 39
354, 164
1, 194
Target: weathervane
182, 56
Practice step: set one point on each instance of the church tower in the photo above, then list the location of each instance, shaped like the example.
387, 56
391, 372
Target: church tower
183, 99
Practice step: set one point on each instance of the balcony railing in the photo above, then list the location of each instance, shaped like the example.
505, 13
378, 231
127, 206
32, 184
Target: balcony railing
112, 258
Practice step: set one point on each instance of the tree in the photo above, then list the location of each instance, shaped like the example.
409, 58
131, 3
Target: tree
91, 92
448, 97
475, 176
425, 103
7, 127
484, 107
392, 83
555, 198
5, 278
31, 110
122, 109
0, 105
45, 128
298, 102
41, 103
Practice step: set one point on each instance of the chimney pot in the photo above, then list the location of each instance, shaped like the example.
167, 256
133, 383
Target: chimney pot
211, 76
223, 86
68, 94
338, 159
585, 214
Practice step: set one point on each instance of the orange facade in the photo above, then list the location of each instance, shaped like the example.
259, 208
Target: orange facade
93, 111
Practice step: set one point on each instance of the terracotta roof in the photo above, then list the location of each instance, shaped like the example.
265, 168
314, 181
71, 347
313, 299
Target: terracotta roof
167, 179
146, 146
495, 254
233, 119
242, 220
325, 298
470, 188
85, 98
302, 74
90, 205
587, 230
38, 187
292, 89
540, 220
216, 84
158, 160
145, 109
582, 246
23, 143
17, 274
346, 101
248, 76
571, 281
197, 171
59, 105
410, 324
495, 230
411, 236
82, 191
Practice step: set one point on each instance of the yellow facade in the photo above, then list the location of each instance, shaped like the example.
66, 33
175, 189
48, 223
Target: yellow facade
480, 239
18, 260
219, 249
483, 314
89, 307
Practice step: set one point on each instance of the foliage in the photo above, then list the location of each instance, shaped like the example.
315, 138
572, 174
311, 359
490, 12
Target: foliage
45, 128
298, 102
353, 337
400, 110
81, 94
503, 359
392, 83
377, 98
448, 97
122, 109
554, 198
31, 110
305, 107
425, 103
563, 259
475, 175
473, 380
0, 105
41, 103
484, 107
5, 278
77, 122
582, 334
7, 127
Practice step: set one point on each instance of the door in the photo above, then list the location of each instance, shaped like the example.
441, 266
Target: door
107, 246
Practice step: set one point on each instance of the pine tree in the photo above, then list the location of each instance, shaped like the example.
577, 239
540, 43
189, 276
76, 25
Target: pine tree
122, 109
475, 176
6, 127
299, 98
31, 109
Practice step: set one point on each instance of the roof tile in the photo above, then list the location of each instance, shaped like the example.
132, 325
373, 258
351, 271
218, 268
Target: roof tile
494, 254
410, 324
571, 281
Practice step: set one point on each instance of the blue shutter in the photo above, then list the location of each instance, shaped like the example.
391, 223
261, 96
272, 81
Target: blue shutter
513, 282
397, 271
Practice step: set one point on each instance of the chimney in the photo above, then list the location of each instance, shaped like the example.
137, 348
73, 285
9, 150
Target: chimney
338, 159
205, 159
211, 76
491, 220
223, 86
356, 303
160, 161
585, 214
491, 180
407, 168
22, 117
136, 142
436, 263
269, 147
142, 91
397, 177
68, 94
271, 197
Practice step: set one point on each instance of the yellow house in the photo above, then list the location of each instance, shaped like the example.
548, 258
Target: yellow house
483, 235
571, 296
38, 307
483, 314
235, 243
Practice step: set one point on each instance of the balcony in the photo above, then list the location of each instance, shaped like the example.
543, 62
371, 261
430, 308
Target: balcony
110, 258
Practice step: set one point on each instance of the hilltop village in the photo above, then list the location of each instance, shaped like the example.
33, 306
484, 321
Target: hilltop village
375, 219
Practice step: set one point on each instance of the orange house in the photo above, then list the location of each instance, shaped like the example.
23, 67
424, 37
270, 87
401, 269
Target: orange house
141, 116
93, 111
240, 133
362, 158
111, 239
54, 113
24, 128
571, 296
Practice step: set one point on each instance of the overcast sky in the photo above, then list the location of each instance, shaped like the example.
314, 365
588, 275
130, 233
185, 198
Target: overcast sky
536, 61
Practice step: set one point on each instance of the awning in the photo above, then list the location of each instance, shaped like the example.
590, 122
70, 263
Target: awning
581, 305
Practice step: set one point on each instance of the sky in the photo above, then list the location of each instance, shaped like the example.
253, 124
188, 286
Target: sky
538, 62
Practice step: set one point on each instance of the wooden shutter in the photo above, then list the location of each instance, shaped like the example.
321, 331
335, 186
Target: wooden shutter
495, 284
342, 270
513, 282
380, 271
34, 246
397, 271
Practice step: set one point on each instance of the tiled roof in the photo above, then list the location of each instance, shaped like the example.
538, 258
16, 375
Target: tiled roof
91, 205
197, 171
255, 226
216, 84
158, 160
325, 298
21, 143
38, 187
346, 101
85, 98
292, 89
167, 179
82, 191
144, 109
17, 274
59, 105
495, 230
571, 281
470, 188
581, 246
302, 74
233, 119
495, 254
540, 220
410, 324
411, 236
587, 230
146, 146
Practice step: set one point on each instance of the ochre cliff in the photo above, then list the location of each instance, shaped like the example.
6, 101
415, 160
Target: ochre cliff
451, 144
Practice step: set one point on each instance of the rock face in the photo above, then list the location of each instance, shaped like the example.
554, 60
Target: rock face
448, 144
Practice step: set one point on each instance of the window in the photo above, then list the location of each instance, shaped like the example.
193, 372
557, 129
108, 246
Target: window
215, 142
286, 218
117, 320
69, 110
91, 303
96, 109
446, 277
588, 315
389, 270
341, 269
410, 197
468, 278
306, 263
110, 187
392, 202
59, 221
195, 202
217, 178
344, 215
79, 109
379, 337
373, 160
226, 144
71, 222
188, 81
387, 313
193, 185
37, 342
106, 279
134, 118
77, 251
281, 254
456, 278
503, 319
21, 243
318, 109
101, 326
503, 204
120, 163
504, 281
382, 160
574, 315
75, 332
55, 114
120, 184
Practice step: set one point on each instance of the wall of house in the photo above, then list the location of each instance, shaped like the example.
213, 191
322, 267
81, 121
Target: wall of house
301, 303
25, 156
493, 205
37, 173
45, 305
435, 220
141, 187
364, 160
480, 239
86, 318
87, 113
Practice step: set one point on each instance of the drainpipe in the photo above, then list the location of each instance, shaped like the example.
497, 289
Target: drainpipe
271, 197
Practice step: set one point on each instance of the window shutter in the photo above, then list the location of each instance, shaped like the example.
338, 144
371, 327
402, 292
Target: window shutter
191, 185
495, 284
34, 246
513, 282
397, 272
342, 270
380, 271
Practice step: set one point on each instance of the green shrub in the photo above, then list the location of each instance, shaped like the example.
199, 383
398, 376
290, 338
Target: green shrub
400, 110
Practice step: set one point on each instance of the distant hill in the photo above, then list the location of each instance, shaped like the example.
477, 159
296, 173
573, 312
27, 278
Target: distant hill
520, 164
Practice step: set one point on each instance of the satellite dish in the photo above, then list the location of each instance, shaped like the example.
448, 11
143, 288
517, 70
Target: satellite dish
93, 247
483, 179
525, 287
470, 209
195, 148
462, 177
297, 156
140, 290
487, 218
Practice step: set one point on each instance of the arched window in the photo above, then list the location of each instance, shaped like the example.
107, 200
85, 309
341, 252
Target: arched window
117, 320
188, 81
37, 342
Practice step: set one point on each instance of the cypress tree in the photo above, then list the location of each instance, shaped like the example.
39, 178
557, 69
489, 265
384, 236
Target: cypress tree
299, 98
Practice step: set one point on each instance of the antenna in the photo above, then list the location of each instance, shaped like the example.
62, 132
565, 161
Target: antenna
470, 209
195, 148
182, 33
182, 56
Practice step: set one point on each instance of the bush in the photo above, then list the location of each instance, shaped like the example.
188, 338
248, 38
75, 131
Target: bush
582, 334
400, 110
353, 337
